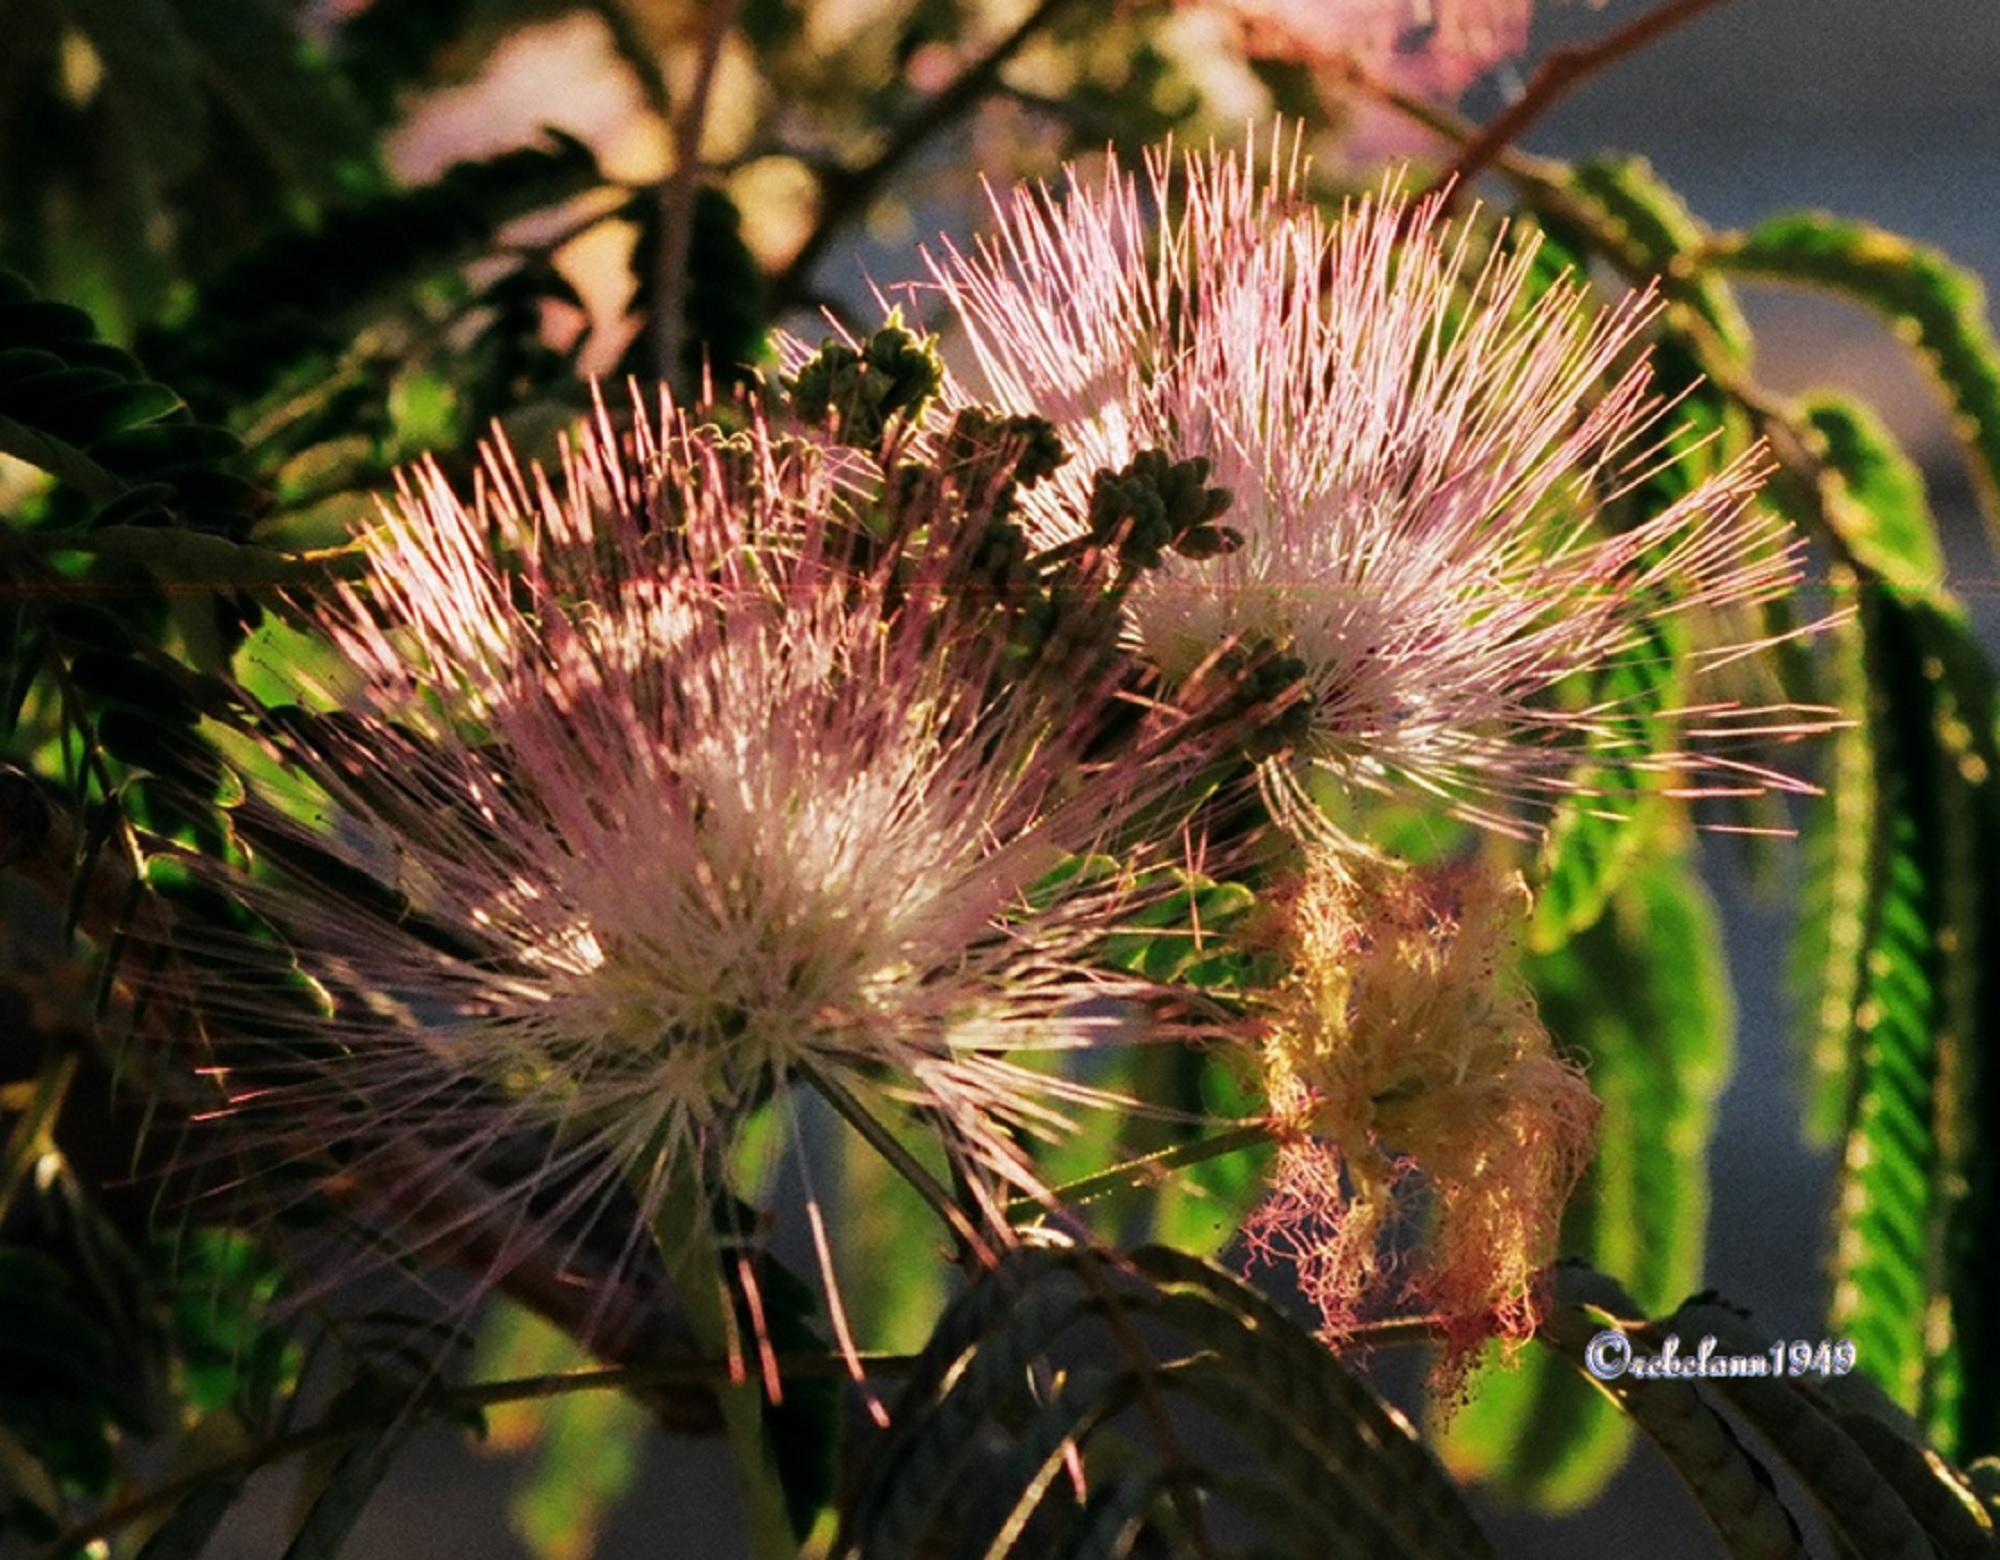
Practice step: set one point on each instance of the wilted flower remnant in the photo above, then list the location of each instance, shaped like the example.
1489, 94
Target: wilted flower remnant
1406, 1053
1419, 436
697, 778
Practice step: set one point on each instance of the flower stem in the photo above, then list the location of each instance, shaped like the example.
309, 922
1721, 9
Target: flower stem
900, 1159
1148, 1169
685, 1234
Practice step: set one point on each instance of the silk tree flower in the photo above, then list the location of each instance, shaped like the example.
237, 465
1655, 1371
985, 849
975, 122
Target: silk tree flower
1419, 438
692, 778
1406, 1054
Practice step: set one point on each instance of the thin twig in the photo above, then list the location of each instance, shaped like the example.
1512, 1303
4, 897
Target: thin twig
846, 192
444, 1403
683, 186
1565, 69
629, 38
902, 1161
1148, 1169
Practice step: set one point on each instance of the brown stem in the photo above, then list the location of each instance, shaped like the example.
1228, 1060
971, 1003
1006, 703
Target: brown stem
683, 185
444, 1402
846, 192
1565, 69
630, 39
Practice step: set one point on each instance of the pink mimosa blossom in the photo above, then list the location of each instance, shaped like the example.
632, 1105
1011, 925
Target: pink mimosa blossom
685, 802
1420, 436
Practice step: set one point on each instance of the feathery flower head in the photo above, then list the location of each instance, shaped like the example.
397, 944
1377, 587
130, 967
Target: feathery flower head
1418, 441
696, 777
1404, 1046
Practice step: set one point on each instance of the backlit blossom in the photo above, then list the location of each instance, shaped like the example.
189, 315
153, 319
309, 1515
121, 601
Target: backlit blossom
695, 778
1419, 435
1406, 1053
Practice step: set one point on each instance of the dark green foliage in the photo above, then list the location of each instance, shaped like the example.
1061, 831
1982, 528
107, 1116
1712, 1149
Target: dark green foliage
1916, 1285
144, 142
85, 413
1866, 1474
723, 307
509, 362
1127, 1363
724, 312
1868, 1480
298, 300
139, 485
59, 1388
391, 47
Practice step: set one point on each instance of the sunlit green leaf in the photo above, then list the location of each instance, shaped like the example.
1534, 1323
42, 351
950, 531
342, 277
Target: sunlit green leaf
1914, 1283
1935, 305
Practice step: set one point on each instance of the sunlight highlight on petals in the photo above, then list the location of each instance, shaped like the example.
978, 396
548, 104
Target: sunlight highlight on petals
1420, 431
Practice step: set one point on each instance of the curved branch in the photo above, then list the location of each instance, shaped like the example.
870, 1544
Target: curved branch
847, 192
444, 1403
1564, 70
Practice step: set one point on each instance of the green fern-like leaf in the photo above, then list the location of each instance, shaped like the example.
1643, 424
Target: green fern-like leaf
143, 140
1871, 1487
1001, 1416
1881, 516
1914, 1284
300, 298
1729, 1481
1870, 1481
1936, 306
1599, 838
1653, 232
